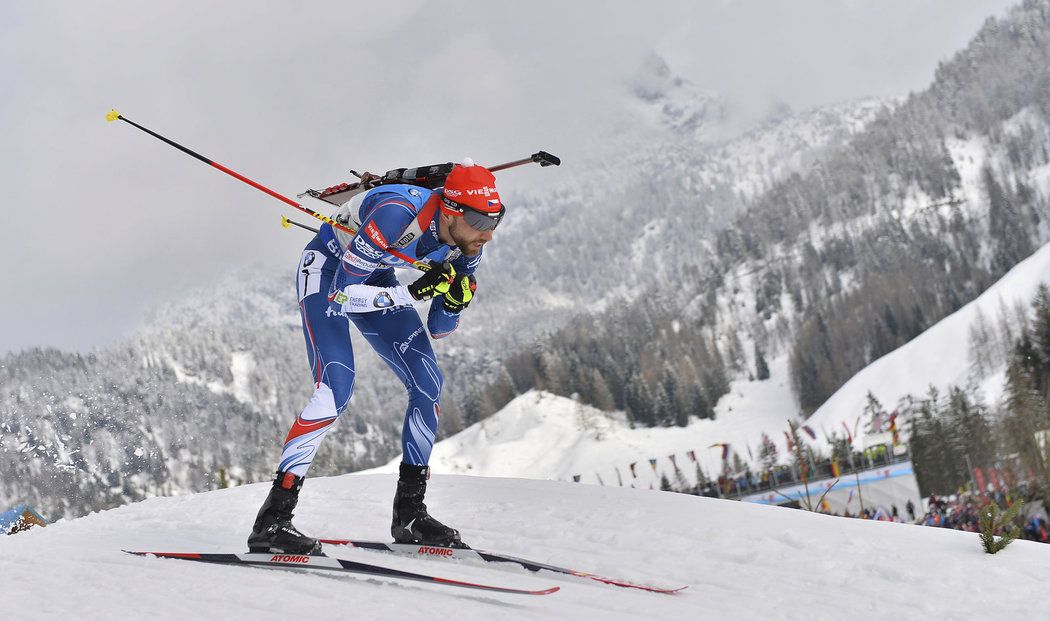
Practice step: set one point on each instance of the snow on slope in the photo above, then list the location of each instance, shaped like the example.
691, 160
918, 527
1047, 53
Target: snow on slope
545, 436
939, 356
741, 561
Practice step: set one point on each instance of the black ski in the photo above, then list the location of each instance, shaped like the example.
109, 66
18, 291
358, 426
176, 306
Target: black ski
414, 549
320, 561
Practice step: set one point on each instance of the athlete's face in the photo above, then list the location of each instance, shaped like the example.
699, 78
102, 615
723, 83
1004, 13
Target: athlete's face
467, 238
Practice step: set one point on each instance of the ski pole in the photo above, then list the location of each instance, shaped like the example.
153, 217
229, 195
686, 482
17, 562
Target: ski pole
287, 223
113, 115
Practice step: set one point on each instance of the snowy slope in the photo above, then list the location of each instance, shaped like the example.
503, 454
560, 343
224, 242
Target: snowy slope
741, 561
939, 356
545, 436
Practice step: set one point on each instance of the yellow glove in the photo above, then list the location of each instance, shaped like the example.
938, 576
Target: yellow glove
460, 293
435, 281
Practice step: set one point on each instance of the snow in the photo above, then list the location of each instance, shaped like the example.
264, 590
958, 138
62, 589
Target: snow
241, 366
740, 560
544, 436
939, 356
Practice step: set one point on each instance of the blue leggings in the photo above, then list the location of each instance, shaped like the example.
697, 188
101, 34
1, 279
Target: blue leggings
399, 338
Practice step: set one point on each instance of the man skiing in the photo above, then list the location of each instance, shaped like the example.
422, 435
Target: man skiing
346, 278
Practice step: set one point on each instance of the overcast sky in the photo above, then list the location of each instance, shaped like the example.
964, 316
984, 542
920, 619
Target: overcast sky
101, 222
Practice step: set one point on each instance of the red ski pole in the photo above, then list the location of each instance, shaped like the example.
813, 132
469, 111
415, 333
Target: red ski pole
113, 115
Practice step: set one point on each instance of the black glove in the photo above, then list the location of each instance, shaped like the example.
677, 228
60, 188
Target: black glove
435, 281
460, 294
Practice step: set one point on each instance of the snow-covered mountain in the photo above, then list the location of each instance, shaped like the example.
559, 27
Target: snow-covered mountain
834, 265
740, 561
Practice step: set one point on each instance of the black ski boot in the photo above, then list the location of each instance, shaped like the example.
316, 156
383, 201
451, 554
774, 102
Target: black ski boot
273, 530
412, 523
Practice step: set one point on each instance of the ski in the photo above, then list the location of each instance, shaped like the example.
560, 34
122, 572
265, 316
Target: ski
322, 562
412, 549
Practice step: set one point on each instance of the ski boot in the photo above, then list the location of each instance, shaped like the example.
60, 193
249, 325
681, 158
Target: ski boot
273, 530
412, 523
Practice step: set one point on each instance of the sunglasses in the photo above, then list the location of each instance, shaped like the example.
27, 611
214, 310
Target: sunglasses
477, 220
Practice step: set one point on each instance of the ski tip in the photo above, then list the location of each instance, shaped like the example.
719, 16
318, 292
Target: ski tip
663, 590
632, 585
113, 115
553, 589
670, 591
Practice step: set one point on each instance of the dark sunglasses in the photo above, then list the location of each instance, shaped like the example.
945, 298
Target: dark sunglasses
477, 220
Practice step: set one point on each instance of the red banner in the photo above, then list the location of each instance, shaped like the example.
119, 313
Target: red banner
978, 478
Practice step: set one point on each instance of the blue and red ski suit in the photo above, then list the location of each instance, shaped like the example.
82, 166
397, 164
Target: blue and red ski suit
396, 216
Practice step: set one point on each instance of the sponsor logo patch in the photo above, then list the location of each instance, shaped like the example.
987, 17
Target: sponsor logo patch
333, 246
358, 262
289, 558
309, 258
383, 300
404, 346
375, 235
405, 239
364, 248
486, 191
452, 193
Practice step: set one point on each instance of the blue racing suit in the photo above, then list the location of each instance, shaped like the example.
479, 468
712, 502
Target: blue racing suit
360, 267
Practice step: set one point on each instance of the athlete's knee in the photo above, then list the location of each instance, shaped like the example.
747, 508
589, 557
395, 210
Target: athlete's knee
340, 378
435, 380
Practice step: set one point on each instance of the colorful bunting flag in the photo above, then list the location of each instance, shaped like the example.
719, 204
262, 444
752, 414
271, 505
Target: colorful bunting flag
725, 449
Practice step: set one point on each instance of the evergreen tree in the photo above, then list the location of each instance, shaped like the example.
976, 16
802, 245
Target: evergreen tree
767, 452
701, 479
761, 368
